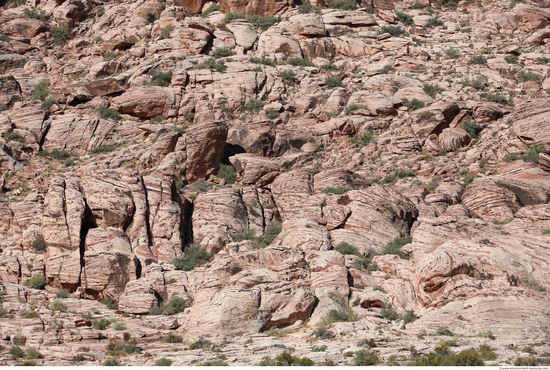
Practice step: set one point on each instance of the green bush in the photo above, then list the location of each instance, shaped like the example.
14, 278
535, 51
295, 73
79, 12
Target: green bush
201, 343
413, 104
288, 76
323, 333
416, 5
232, 16
172, 338
36, 282
339, 316
166, 31
174, 306
103, 149
213, 363
270, 233
16, 352
542, 60
389, 312
355, 107
308, 8
4, 37
48, 103
512, 59
393, 30
254, 105
362, 139
338, 190
443, 357
194, 256
477, 59
329, 67
41, 91
110, 303
111, 362
333, 82
164, 361
529, 76
161, 79
217, 65
29, 315
445, 332
273, 115
525, 361
346, 248
404, 18
533, 152
468, 180
266, 361
343, 4
59, 34
101, 324
286, 359
108, 113
366, 357
394, 247
263, 22
228, 173
13, 136
150, 18
476, 84
33, 354
385, 70
300, 62
262, 60
486, 50
472, 128
211, 9
62, 293
452, 53
497, 98
434, 22
120, 348
58, 306
398, 174
35, 14
223, 52
432, 89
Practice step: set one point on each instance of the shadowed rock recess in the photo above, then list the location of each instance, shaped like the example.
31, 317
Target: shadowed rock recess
278, 182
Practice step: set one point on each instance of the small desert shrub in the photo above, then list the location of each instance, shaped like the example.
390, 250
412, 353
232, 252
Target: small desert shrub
201, 343
413, 104
120, 348
262, 60
174, 306
288, 76
385, 69
389, 312
497, 98
223, 52
150, 18
108, 113
512, 59
36, 282
286, 359
48, 103
161, 79
452, 53
338, 190
33, 354
404, 18
398, 174
59, 34
343, 4
270, 233
332, 82
393, 30
273, 115
533, 152
434, 22
35, 14
120, 326
213, 363
101, 324
338, 316
111, 362
263, 22
29, 315
172, 338
16, 352
445, 331
228, 173
164, 361
323, 333
299, 62
477, 59
211, 9
475, 83
529, 76
254, 105
443, 357
232, 16
525, 361
394, 247
4, 37
58, 306
13, 136
110, 303
308, 8
40, 91
362, 139
166, 31
103, 149
366, 357
472, 128
194, 256
355, 107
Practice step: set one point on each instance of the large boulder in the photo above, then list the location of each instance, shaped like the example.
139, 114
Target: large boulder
9, 89
205, 148
531, 122
262, 8
276, 40
148, 102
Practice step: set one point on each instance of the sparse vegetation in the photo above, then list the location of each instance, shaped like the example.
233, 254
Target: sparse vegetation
533, 152
338, 190
62, 293
432, 89
194, 256
393, 30
111, 362
300, 62
40, 91
166, 31
161, 79
442, 356
354, 107
164, 361
262, 60
60, 34
228, 173
254, 105
36, 282
362, 139
398, 174
174, 306
172, 338
58, 306
150, 18
34, 13
394, 247
529, 76
223, 53
497, 98
211, 9
414, 104
332, 82
366, 357
404, 18
452, 53
108, 113
308, 8
477, 59
385, 69
472, 128
201, 343
434, 22
344, 4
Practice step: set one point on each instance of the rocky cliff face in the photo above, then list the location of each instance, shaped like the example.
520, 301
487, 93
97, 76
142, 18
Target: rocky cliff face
261, 175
